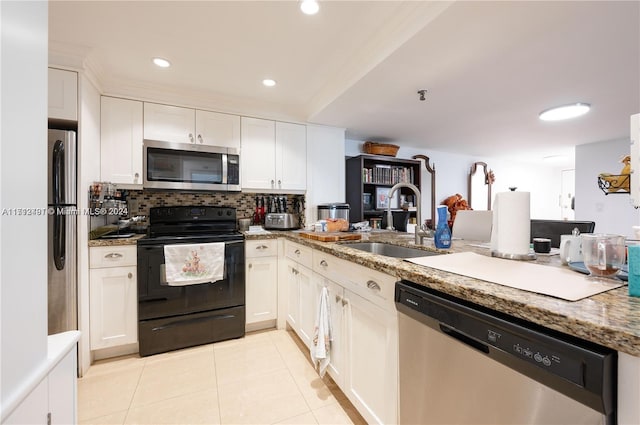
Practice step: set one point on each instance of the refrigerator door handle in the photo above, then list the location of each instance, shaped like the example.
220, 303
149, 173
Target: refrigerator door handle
57, 172
59, 240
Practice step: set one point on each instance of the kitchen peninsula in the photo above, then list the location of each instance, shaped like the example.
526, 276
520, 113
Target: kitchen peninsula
611, 318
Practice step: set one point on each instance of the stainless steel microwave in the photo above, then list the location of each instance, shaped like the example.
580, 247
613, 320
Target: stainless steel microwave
190, 166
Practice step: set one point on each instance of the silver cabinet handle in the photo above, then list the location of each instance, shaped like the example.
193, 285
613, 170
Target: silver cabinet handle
295, 271
373, 285
261, 247
191, 138
297, 252
136, 176
324, 263
250, 265
279, 182
130, 275
338, 298
272, 182
113, 255
200, 138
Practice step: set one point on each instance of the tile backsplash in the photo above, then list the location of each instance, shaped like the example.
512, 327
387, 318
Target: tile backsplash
140, 201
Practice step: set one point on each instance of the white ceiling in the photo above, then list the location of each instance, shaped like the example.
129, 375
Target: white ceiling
489, 67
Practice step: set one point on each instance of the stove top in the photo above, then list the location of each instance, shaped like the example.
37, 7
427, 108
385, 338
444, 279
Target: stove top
192, 222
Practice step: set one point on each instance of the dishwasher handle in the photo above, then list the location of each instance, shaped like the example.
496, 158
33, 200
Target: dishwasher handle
453, 333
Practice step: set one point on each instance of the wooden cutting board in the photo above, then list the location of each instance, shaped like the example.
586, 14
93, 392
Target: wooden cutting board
331, 236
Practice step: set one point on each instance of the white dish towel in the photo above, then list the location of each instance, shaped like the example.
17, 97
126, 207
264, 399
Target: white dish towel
321, 346
191, 264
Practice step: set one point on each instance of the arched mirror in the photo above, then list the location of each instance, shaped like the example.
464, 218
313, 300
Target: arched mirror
480, 181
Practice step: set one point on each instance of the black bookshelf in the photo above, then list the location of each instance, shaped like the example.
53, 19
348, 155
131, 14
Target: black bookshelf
373, 175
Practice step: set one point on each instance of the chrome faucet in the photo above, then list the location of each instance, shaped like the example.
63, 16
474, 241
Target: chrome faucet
419, 231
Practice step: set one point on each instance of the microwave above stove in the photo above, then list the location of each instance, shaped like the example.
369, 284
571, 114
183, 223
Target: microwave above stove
190, 167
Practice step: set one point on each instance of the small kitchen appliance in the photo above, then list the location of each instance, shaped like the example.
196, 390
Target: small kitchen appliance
281, 221
333, 210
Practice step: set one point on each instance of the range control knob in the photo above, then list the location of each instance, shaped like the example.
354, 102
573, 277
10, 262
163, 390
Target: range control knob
219, 212
228, 212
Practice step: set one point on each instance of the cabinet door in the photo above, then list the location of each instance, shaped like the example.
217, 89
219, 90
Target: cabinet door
63, 94
258, 154
336, 307
217, 129
33, 409
113, 306
291, 156
63, 390
262, 289
308, 304
293, 296
169, 123
121, 141
372, 360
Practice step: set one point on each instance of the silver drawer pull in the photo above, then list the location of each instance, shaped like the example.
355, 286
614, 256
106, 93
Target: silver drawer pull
323, 263
373, 285
191, 138
113, 255
130, 275
250, 265
338, 298
297, 252
260, 247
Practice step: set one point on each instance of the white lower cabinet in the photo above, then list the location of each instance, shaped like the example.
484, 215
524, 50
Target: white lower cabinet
113, 296
364, 347
372, 359
261, 272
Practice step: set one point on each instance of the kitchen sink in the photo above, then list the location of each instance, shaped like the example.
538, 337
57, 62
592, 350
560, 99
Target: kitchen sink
389, 250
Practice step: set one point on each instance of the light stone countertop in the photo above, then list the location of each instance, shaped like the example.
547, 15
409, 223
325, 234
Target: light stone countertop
133, 240
611, 318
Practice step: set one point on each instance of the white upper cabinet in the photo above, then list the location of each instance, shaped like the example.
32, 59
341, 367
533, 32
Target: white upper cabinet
169, 123
291, 156
215, 129
121, 141
273, 155
258, 162
63, 94
186, 125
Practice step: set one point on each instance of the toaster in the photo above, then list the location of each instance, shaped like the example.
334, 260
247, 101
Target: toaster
281, 221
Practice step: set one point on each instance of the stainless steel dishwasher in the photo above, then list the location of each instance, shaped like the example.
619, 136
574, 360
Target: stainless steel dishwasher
464, 364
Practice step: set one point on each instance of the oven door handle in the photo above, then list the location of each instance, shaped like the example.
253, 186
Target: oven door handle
163, 278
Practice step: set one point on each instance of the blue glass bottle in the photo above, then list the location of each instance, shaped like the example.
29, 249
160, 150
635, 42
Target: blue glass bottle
442, 239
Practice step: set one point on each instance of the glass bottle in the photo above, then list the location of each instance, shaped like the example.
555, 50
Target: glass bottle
442, 238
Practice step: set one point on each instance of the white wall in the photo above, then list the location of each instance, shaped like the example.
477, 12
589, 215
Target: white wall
612, 213
23, 184
88, 172
452, 171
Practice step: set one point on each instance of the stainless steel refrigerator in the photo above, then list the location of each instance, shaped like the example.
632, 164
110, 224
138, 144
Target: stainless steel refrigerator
61, 230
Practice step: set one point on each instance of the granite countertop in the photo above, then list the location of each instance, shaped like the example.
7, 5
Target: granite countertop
611, 318
116, 241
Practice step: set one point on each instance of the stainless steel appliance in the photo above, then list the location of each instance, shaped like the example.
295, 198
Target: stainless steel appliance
464, 364
61, 232
173, 317
281, 221
190, 166
333, 210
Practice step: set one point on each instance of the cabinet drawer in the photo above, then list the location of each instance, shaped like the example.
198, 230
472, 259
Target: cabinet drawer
372, 285
112, 256
261, 248
299, 253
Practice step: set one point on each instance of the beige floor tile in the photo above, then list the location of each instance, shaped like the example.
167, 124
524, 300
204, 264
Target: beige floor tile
266, 398
207, 348
332, 414
112, 419
195, 408
116, 364
179, 374
306, 419
242, 361
104, 394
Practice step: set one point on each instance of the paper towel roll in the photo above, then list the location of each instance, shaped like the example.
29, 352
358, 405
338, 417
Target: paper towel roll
511, 223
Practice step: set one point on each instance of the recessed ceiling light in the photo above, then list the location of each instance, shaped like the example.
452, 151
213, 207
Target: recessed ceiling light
162, 63
269, 82
309, 7
565, 112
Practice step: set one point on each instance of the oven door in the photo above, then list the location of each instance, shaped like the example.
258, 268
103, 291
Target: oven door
156, 299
